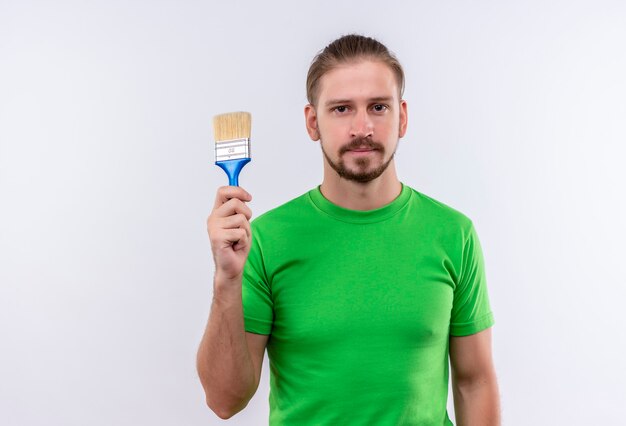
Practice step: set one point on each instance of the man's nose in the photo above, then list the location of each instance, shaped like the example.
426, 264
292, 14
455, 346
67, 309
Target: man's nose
362, 125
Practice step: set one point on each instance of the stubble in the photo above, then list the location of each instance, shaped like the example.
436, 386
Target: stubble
363, 173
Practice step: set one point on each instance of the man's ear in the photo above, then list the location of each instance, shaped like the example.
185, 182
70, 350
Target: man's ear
404, 118
310, 118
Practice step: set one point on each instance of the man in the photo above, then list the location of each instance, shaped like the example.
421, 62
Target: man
359, 289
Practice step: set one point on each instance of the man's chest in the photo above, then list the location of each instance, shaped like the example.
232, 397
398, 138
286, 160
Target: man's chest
404, 296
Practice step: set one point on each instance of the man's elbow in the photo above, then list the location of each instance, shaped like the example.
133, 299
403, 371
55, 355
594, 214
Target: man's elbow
223, 413
225, 409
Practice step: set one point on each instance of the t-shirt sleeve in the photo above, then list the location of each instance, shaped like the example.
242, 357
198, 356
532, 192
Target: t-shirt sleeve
471, 311
258, 308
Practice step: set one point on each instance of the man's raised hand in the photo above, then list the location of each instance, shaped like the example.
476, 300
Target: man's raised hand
229, 231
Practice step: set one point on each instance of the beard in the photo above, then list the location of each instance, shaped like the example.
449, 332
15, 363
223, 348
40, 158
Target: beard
363, 173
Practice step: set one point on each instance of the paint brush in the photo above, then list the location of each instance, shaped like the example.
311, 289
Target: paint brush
232, 143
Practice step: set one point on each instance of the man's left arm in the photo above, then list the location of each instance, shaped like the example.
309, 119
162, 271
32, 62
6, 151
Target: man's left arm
474, 385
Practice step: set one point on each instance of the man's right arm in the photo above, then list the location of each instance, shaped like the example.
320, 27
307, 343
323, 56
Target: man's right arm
229, 359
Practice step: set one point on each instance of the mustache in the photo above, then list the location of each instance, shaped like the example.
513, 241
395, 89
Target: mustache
361, 143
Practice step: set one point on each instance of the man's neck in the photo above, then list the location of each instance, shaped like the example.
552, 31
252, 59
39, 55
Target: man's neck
361, 196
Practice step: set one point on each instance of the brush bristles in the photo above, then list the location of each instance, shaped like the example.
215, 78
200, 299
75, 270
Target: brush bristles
233, 125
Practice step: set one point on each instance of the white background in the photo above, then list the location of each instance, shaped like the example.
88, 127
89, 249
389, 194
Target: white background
517, 118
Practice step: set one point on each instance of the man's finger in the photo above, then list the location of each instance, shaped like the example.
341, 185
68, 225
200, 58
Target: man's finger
230, 237
226, 193
235, 221
232, 207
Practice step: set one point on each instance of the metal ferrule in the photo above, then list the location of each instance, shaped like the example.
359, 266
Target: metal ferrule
232, 149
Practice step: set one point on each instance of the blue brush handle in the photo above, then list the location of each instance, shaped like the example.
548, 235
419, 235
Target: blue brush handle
232, 169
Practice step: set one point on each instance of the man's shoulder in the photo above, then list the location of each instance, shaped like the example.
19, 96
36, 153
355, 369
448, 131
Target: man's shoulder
289, 210
439, 211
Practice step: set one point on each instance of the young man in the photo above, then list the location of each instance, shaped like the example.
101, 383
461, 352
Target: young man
361, 289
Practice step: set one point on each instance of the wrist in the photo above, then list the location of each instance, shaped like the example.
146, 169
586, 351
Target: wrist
227, 278
226, 286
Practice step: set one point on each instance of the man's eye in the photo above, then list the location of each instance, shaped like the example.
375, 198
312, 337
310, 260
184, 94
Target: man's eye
341, 109
379, 107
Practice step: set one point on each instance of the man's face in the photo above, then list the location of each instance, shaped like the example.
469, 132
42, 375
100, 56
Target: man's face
358, 119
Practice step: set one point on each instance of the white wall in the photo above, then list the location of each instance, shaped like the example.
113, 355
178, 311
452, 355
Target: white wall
517, 118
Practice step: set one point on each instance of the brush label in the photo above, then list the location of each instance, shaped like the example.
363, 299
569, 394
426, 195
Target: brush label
232, 150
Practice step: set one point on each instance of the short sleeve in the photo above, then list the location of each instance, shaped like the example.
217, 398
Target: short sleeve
471, 311
258, 309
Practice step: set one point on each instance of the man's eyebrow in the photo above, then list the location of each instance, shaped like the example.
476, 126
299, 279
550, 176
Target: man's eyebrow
337, 102
387, 99
382, 99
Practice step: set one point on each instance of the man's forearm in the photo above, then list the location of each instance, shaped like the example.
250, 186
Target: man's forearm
477, 402
224, 363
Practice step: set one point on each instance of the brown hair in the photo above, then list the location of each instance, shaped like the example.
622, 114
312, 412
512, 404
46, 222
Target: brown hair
350, 48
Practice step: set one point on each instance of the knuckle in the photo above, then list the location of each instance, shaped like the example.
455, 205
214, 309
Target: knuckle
233, 202
211, 222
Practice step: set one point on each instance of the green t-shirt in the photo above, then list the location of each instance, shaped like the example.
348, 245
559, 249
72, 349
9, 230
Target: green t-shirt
359, 306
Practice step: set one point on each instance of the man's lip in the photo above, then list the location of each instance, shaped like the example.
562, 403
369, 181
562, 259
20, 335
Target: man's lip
363, 149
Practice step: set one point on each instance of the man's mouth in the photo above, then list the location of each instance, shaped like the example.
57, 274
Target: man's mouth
361, 146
